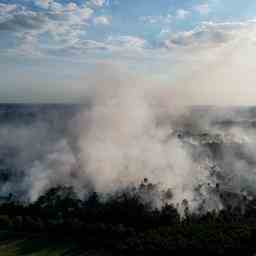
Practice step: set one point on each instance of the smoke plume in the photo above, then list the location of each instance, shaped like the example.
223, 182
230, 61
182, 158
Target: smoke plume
126, 130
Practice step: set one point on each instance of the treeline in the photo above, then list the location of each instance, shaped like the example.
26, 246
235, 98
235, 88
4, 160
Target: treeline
124, 224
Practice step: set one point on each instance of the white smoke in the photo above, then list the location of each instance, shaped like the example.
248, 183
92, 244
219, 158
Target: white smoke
127, 136
126, 132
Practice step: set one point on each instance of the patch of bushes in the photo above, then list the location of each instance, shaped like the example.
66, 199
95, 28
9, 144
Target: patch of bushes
124, 225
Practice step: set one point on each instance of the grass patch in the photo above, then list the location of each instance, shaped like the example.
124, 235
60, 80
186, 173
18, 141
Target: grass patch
13, 244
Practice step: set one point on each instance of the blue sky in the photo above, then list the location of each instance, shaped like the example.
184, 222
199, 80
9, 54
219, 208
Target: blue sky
48, 45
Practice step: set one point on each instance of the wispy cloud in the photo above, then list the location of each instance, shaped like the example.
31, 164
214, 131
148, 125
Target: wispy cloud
22, 20
43, 3
126, 42
7, 8
61, 24
202, 9
102, 20
97, 3
159, 19
182, 14
212, 34
55, 27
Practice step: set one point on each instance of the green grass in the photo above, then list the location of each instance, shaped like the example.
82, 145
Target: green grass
12, 244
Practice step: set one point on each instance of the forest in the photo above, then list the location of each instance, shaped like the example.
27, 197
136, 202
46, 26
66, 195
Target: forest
124, 224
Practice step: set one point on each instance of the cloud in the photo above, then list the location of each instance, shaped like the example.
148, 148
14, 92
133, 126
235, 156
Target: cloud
61, 24
210, 34
71, 7
59, 30
203, 9
120, 44
182, 14
102, 20
213, 64
22, 20
29, 45
92, 45
114, 46
58, 14
82, 47
61, 27
160, 19
97, 3
7, 8
68, 9
164, 31
56, 6
126, 42
43, 3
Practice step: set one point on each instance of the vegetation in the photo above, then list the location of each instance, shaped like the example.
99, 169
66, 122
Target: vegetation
125, 225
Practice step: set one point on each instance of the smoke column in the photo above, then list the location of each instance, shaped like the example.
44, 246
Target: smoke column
128, 130
127, 136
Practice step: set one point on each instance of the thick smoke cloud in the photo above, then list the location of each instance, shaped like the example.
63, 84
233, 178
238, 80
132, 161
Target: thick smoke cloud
127, 130
128, 136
